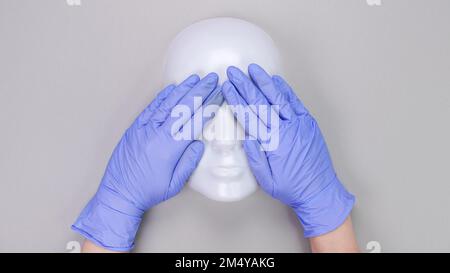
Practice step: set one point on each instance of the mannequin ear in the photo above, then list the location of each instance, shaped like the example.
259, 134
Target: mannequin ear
185, 166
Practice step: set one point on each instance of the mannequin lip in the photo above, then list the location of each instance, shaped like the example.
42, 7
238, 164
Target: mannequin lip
226, 170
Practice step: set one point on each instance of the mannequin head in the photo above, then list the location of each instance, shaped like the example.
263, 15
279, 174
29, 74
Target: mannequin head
213, 45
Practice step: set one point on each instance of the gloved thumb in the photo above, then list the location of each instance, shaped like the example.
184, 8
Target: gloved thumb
185, 166
257, 160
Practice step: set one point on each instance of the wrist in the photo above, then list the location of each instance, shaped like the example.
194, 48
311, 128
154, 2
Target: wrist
109, 221
325, 211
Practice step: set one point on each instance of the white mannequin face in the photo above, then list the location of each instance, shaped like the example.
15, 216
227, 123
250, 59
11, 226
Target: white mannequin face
213, 45
223, 173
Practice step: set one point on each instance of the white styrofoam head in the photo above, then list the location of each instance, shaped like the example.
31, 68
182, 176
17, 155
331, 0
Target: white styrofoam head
213, 45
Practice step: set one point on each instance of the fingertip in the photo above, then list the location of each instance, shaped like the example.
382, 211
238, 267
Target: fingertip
170, 86
254, 68
194, 77
191, 80
166, 91
226, 85
256, 72
198, 147
277, 78
211, 77
233, 72
227, 90
231, 68
280, 83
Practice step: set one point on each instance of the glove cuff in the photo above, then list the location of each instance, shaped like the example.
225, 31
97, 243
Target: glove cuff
109, 221
326, 211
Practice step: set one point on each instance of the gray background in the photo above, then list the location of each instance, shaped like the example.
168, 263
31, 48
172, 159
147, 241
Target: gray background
376, 78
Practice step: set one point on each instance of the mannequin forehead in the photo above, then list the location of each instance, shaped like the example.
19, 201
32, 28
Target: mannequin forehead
212, 45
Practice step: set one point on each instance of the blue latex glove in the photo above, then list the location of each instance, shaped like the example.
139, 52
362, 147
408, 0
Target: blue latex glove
148, 166
299, 172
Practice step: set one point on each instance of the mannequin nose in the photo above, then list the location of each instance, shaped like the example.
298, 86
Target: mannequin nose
224, 146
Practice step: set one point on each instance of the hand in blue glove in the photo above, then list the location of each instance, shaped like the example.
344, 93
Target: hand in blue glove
148, 165
299, 172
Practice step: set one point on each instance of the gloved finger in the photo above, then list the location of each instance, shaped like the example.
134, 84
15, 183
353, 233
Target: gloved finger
193, 99
144, 117
294, 101
257, 160
265, 83
245, 114
248, 91
160, 114
241, 106
192, 127
184, 168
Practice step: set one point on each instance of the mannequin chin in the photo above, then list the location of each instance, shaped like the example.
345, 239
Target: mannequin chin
213, 45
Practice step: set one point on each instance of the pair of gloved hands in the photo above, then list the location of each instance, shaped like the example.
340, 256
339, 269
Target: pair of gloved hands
149, 166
